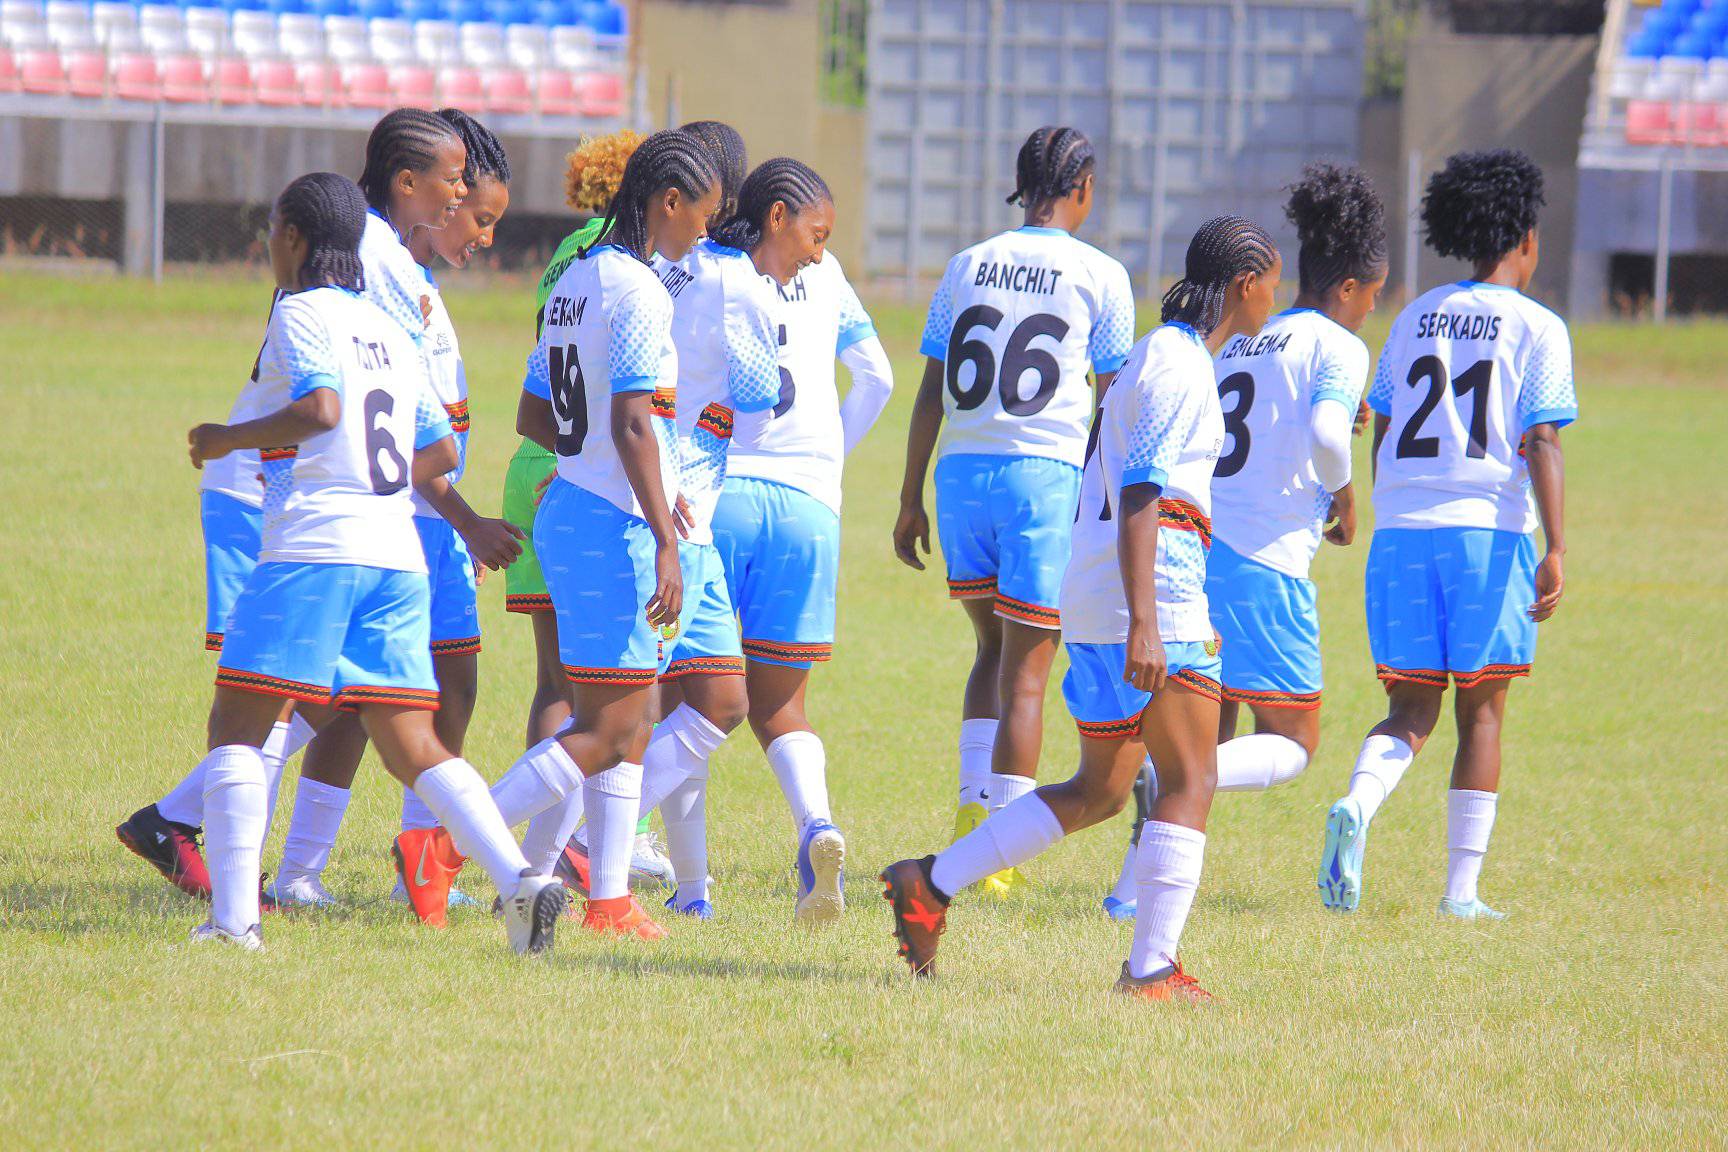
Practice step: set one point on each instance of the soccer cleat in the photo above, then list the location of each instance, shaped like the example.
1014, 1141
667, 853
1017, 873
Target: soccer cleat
1119, 909
1472, 910
920, 912
251, 940
999, 885
967, 817
1169, 984
427, 863
1341, 858
621, 916
696, 909
300, 892
456, 899
649, 865
821, 874
531, 914
168, 847
572, 867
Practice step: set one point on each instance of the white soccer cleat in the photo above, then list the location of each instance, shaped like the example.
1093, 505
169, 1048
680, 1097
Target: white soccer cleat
251, 940
821, 874
650, 867
531, 914
301, 892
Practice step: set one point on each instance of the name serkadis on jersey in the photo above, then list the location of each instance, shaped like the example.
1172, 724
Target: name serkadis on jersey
1264, 344
1017, 278
566, 310
1457, 326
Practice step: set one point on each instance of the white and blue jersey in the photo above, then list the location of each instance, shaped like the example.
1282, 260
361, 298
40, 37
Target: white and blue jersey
449, 564
395, 281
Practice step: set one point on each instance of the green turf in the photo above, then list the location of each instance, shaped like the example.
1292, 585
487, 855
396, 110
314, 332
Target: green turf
1594, 1017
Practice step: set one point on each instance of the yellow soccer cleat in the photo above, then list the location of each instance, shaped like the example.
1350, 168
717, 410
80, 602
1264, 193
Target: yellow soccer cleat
967, 817
1004, 883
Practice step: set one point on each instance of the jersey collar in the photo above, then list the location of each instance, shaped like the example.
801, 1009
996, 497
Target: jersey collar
1037, 230
1187, 330
1485, 284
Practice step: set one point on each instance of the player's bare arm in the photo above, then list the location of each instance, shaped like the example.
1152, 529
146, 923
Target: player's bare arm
318, 411
639, 451
495, 543
1137, 545
1547, 467
535, 420
912, 527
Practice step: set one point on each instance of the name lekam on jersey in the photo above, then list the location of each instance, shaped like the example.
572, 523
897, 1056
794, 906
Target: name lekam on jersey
1017, 278
566, 310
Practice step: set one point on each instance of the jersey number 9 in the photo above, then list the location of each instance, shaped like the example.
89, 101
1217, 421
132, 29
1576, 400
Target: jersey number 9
1018, 358
569, 399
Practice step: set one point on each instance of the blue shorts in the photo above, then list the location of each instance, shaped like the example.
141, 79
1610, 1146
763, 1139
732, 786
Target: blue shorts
1451, 602
450, 574
232, 533
707, 640
1107, 707
1270, 628
1005, 523
781, 551
323, 633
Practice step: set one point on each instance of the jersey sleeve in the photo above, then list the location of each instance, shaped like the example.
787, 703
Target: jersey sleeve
855, 323
431, 422
537, 379
1113, 329
1341, 373
1153, 445
1380, 392
399, 294
940, 322
303, 349
1547, 394
640, 326
752, 345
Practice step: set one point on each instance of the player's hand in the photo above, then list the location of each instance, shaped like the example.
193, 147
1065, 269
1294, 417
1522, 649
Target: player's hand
911, 530
480, 571
494, 543
207, 442
1364, 415
540, 488
682, 516
668, 600
1550, 585
1341, 517
1146, 663
425, 311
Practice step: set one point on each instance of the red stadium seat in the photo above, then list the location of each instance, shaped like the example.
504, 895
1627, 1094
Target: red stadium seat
136, 77
557, 94
10, 81
507, 91
42, 72
1649, 122
276, 84
461, 88
602, 94
1700, 125
320, 85
367, 86
231, 82
87, 74
415, 87
183, 80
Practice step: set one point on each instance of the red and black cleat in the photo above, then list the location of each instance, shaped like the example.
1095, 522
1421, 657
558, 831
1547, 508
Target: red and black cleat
572, 868
170, 848
920, 912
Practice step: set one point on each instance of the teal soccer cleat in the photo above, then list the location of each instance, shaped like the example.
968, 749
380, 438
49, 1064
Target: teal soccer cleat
1474, 910
1341, 859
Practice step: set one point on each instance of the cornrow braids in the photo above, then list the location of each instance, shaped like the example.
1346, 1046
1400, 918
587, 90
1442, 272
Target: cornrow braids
330, 211
1052, 163
485, 151
726, 149
593, 170
1224, 248
408, 138
781, 180
1340, 225
670, 159
1482, 204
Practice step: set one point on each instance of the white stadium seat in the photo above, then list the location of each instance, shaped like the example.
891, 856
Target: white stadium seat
482, 45
435, 42
71, 29
253, 34
207, 31
528, 46
301, 36
345, 40
163, 29
572, 47
108, 16
391, 41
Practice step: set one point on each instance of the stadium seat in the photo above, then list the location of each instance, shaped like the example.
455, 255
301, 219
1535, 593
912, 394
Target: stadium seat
461, 88
556, 13
207, 31
254, 34
555, 93
390, 41
107, 15
1649, 122
482, 45
71, 28
345, 39
301, 35
163, 30
367, 86
603, 18
41, 71
87, 74
231, 81
465, 11
183, 80
375, 9
9, 79
322, 8
415, 86
1699, 125
602, 94
527, 46
511, 11
274, 82
136, 77
421, 9
507, 91
66, 11
435, 42
18, 12
320, 84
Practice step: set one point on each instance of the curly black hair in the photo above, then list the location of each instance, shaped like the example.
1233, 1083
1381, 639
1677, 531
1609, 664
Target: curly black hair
330, 211
1224, 248
1482, 204
1340, 225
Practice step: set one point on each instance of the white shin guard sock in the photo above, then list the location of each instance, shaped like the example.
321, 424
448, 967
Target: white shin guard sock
550, 831
977, 746
1167, 868
679, 749
1009, 838
1379, 767
458, 797
1255, 763
540, 778
318, 811
800, 764
415, 814
1005, 789
685, 814
612, 799
184, 803
234, 817
1469, 824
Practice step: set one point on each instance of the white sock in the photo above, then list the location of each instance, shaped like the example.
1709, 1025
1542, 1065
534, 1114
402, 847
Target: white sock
1255, 763
540, 778
184, 803
1145, 794
549, 831
977, 745
233, 806
415, 814
1168, 870
281, 744
458, 797
1379, 767
612, 799
685, 814
800, 763
1469, 823
1010, 837
1005, 789
318, 810
679, 749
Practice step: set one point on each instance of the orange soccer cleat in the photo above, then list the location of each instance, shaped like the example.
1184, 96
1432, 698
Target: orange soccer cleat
1169, 984
920, 912
621, 916
427, 863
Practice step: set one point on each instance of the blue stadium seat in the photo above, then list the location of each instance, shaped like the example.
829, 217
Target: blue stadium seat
604, 18
422, 9
284, 7
375, 9
511, 11
555, 13
330, 7
466, 11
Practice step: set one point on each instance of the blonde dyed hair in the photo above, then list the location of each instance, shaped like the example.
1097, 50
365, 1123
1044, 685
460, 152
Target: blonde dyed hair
593, 171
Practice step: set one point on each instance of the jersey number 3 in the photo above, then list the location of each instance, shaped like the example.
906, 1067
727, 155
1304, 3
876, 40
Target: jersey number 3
1240, 387
569, 399
1018, 358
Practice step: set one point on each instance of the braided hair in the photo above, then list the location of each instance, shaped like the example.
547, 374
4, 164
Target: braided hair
486, 156
592, 171
726, 149
330, 212
1224, 248
408, 138
670, 159
780, 180
1482, 204
1341, 226
1052, 163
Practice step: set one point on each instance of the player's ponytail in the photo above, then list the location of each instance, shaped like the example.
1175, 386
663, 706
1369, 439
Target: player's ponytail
781, 180
1224, 248
1052, 163
1340, 225
330, 211
669, 159
408, 140
486, 157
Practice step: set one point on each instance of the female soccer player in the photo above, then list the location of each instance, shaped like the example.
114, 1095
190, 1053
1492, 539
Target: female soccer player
1473, 387
1289, 397
1143, 674
1014, 326
606, 367
334, 758
336, 610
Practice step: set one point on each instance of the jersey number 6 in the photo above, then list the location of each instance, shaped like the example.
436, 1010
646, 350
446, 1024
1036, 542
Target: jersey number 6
1018, 358
569, 399
381, 446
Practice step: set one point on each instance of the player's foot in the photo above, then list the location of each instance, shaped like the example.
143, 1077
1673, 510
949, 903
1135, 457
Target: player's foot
1341, 858
427, 863
251, 940
920, 912
967, 817
999, 885
650, 867
821, 874
572, 867
1467, 910
456, 899
1171, 984
696, 909
621, 916
300, 892
1119, 909
531, 915
168, 847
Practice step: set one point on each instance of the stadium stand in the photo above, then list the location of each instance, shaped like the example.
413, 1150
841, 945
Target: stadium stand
1667, 83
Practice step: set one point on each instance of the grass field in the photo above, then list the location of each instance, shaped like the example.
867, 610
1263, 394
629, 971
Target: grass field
1596, 1017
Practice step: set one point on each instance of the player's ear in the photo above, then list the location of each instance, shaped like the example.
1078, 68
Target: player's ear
777, 217
403, 184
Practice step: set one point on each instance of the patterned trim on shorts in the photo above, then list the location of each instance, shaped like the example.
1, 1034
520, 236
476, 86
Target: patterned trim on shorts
1265, 698
704, 666
1109, 729
461, 646
271, 686
1185, 517
1204, 685
1428, 676
212, 641
774, 650
1026, 613
624, 677
1490, 673
528, 602
981, 588
352, 697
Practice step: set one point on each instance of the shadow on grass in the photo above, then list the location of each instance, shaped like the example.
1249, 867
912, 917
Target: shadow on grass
710, 967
